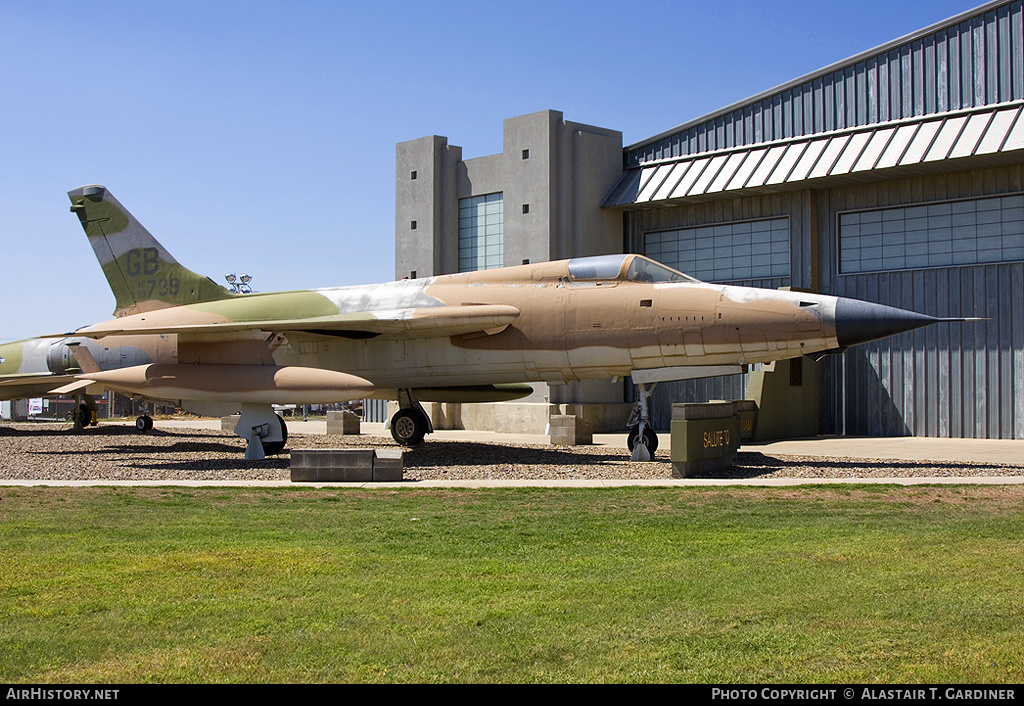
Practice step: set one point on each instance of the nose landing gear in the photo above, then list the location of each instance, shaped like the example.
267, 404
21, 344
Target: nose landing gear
641, 440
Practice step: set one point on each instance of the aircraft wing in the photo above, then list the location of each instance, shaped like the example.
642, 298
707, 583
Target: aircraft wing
421, 322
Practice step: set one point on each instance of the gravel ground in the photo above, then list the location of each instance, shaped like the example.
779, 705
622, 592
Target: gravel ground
115, 452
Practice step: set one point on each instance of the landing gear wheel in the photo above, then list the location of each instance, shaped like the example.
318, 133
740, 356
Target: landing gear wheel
84, 415
144, 423
272, 448
408, 427
650, 440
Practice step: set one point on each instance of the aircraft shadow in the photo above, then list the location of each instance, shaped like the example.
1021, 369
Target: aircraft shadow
64, 429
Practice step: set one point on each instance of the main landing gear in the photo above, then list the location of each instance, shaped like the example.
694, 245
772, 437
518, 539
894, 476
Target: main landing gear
84, 414
410, 423
266, 431
641, 440
144, 423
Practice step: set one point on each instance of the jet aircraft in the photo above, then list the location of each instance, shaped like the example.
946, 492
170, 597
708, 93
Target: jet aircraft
477, 336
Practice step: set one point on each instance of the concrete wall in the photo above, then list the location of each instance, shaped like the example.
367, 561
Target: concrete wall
561, 170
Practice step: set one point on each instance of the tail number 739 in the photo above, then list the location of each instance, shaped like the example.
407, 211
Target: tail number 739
163, 287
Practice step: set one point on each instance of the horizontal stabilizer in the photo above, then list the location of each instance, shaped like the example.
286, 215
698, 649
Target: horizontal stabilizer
71, 387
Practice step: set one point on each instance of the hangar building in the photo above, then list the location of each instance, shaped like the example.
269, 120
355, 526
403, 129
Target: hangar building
895, 176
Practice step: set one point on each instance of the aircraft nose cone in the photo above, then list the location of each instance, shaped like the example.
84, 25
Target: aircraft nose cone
859, 321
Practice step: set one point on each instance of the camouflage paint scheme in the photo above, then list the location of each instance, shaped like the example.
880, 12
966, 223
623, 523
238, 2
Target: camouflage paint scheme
179, 336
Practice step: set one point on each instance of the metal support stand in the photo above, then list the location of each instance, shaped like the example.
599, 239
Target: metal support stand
254, 450
261, 426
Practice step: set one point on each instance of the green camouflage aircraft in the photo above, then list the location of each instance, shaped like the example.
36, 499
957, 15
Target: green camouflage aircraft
477, 336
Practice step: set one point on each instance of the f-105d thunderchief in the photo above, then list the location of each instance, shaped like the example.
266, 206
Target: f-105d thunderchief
470, 337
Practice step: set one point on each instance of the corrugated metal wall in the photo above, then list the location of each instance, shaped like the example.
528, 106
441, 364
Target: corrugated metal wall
375, 410
978, 61
947, 380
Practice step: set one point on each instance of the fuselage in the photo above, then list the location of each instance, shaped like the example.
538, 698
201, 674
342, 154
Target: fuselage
574, 323
572, 330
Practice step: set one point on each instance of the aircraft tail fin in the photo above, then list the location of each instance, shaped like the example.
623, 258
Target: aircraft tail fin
142, 274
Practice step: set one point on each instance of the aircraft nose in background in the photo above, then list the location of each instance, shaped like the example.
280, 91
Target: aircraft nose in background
859, 321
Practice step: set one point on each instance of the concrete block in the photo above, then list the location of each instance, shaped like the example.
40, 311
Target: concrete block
346, 465
343, 423
388, 465
568, 430
705, 437
229, 422
332, 465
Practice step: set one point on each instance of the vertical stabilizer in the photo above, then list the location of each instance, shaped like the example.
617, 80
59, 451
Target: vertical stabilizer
141, 273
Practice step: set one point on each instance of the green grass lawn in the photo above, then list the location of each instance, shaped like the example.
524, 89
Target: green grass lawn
812, 584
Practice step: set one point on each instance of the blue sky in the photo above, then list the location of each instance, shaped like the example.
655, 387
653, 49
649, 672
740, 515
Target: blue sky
260, 136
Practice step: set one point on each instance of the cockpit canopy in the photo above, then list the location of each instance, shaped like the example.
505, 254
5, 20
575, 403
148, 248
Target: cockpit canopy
630, 268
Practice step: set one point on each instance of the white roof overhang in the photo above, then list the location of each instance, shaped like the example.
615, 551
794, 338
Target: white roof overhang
939, 142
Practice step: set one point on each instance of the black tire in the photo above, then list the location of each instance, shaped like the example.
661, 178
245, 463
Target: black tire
408, 427
272, 448
84, 415
144, 423
650, 440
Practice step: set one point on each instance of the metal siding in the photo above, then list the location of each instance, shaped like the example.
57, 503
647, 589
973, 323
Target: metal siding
947, 380
1015, 20
941, 72
966, 65
908, 85
979, 61
1016, 370
978, 58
